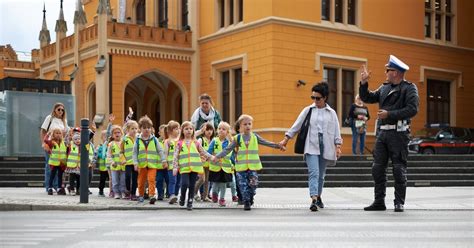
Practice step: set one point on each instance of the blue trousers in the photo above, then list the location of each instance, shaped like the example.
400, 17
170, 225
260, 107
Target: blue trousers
356, 137
161, 175
248, 183
173, 188
316, 173
47, 174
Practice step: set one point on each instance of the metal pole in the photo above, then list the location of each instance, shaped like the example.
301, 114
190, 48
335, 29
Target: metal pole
84, 161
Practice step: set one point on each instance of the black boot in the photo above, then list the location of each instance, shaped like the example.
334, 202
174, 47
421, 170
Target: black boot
319, 202
399, 207
247, 206
314, 206
376, 206
189, 207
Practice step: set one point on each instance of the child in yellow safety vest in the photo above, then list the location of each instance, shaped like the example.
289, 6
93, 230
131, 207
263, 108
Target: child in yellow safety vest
148, 156
162, 173
126, 148
100, 159
57, 160
208, 134
247, 161
74, 162
116, 163
187, 161
220, 172
172, 136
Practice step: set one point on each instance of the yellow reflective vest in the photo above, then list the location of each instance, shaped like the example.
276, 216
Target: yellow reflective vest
58, 154
189, 159
247, 156
116, 156
205, 146
148, 156
74, 158
223, 163
128, 144
171, 147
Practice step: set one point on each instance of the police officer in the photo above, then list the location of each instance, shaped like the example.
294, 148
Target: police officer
398, 102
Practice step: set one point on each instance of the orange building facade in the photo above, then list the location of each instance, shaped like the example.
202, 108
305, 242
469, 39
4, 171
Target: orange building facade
261, 57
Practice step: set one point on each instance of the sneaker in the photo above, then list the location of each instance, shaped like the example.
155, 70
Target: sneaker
375, 206
61, 191
247, 206
101, 194
50, 191
319, 202
141, 199
214, 197
189, 207
117, 196
222, 202
152, 200
313, 207
124, 196
235, 198
197, 198
181, 203
399, 207
173, 199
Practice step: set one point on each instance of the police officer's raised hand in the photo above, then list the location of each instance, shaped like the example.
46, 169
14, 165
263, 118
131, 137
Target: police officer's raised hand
364, 74
382, 114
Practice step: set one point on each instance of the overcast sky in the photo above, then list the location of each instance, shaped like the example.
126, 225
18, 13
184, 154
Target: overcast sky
21, 20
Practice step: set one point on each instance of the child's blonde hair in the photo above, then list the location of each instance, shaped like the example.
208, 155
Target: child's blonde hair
241, 118
185, 124
129, 124
170, 127
226, 126
112, 130
53, 130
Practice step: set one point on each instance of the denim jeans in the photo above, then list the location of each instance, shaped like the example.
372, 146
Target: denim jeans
248, 183
355, 137
118, 182
219, 189
56, 172
316, 173
161, 176
172, 183
232, 186
47, 173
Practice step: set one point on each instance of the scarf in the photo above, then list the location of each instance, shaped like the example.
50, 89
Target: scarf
207, 117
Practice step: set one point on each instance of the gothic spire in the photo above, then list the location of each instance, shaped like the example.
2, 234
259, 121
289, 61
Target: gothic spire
44, 33
79, 14
104, 7
61, 25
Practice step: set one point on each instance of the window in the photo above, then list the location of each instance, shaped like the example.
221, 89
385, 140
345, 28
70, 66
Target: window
163, 13
438, 101
229, 12
440, 13
184, 15
341, 89
140, 12
342, 11
231, 93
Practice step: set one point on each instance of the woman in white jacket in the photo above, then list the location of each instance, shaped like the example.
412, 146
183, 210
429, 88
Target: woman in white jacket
323, 141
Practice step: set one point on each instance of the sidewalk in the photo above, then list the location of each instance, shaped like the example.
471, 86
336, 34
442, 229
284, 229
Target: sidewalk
418, 198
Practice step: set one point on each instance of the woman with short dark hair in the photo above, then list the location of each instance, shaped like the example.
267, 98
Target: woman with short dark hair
322, 143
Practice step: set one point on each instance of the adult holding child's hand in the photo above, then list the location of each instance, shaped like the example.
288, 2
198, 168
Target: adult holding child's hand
57, 119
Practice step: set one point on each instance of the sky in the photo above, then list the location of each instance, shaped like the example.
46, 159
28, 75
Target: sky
21, 20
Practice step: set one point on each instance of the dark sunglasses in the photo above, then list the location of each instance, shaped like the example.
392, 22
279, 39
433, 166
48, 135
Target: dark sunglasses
387, 70
317, 98
60, 109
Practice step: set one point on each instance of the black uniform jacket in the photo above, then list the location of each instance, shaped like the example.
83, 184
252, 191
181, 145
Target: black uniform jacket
401, 101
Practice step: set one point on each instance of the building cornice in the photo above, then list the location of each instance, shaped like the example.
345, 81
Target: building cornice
324, 27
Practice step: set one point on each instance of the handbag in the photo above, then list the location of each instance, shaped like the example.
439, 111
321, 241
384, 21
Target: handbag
301, 138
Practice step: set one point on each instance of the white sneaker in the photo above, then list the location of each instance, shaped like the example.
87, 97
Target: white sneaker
117, 196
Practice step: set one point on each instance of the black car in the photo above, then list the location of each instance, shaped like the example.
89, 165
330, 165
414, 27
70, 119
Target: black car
439, 139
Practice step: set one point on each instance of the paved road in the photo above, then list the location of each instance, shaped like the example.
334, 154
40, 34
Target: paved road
236, 228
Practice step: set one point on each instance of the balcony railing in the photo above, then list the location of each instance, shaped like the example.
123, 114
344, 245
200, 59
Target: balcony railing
146, 34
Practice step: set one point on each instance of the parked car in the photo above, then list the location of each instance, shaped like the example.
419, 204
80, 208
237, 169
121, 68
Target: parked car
442, 139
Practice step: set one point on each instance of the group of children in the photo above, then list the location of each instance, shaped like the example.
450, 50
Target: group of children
186, 160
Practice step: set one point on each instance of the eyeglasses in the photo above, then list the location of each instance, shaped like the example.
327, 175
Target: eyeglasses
317, 98
60, 109
387, 70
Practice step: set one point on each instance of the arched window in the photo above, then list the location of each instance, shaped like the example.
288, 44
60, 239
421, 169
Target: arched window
140, 12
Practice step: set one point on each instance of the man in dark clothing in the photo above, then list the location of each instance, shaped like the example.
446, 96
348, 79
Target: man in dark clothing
398, 103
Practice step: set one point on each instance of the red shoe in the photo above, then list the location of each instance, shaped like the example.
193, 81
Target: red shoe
222, 202
214, 197
235, 198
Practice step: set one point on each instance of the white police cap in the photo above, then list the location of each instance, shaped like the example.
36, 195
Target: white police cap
395, 63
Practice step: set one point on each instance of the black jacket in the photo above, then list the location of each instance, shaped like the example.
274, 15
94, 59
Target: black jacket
401, 101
